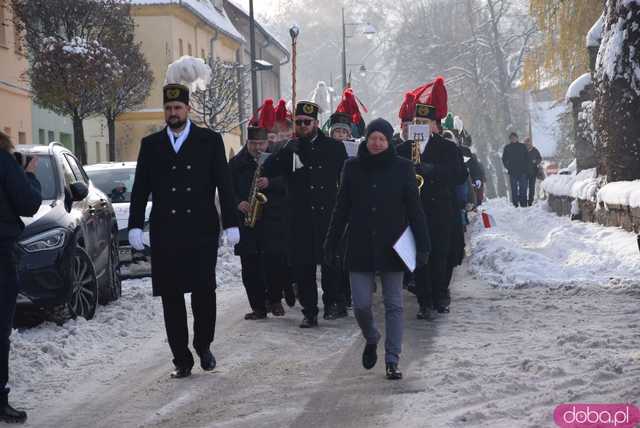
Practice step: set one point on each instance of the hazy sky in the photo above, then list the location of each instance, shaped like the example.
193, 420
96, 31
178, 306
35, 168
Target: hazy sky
261, 6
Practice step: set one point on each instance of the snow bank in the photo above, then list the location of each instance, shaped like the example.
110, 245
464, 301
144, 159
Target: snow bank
578, 186
578, 85
533, 247
594, 36
44, 359
625, 193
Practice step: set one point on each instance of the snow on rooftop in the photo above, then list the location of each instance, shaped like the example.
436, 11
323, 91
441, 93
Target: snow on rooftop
594, 36
545, 126
204, 9
578, 86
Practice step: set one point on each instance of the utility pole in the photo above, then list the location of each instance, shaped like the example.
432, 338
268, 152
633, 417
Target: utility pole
344, 52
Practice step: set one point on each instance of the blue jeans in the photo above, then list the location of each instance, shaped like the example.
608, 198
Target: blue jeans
8, 295
362, 284
519, 186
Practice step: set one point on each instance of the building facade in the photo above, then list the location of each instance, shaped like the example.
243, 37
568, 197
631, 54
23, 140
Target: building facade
167, 30
15, 95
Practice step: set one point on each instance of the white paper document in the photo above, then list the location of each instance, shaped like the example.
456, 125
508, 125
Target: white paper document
352, 147
405, 247
420, 134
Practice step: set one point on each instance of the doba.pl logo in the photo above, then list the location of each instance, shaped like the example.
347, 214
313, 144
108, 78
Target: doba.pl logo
597, 416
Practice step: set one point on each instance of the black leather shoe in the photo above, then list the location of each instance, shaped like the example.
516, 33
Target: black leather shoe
12, 416
309, 322
207, 361
253, 316
181, 372
289, 295
369, 356
392, 372
442, 309
424, 314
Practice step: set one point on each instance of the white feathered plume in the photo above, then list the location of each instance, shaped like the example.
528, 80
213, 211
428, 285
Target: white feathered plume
458, 125
189, 71
320, 96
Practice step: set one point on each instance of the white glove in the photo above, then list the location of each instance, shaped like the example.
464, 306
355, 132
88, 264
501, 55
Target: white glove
478, 183
136, 239
233, 236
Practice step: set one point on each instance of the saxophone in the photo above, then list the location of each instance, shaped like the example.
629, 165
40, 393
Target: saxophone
416, 158
256, 199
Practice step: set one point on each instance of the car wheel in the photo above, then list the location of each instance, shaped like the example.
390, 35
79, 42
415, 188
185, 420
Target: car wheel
84, 294
113, 288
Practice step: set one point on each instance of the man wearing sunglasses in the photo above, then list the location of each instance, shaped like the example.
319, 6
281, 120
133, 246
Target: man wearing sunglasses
311, 164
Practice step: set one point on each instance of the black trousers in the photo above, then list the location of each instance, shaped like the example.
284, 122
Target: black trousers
532, 188
8, 295
203, 306
332, 288
264, 277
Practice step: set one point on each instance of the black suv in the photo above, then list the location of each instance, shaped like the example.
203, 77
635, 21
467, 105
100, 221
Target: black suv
68, 252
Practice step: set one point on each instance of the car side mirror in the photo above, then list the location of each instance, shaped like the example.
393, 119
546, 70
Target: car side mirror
79, 191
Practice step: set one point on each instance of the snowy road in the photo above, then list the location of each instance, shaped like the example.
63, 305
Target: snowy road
509, 352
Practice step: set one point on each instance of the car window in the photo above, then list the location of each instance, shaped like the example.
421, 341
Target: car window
115, 182
77, 170
45, 174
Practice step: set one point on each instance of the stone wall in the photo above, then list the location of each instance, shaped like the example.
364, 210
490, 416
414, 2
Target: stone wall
616, 215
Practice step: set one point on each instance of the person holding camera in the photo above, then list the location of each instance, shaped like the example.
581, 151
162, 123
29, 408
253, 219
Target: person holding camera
19, 197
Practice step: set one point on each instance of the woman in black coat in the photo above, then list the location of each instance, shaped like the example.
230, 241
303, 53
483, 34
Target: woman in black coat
378, 199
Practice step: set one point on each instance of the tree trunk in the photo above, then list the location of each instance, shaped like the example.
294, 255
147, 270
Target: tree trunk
111, 126
78, 138
617, 101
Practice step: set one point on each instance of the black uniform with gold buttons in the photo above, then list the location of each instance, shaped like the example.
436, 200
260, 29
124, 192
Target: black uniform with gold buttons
313, 188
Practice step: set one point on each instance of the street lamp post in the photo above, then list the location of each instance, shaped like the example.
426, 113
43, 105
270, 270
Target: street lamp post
369, 31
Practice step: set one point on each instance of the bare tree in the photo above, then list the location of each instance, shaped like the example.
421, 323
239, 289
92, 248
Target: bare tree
68, 49
219, 106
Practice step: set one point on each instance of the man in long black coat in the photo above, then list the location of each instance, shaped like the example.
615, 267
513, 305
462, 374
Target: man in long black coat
262, 248
182, 166
311, 165
442, 168
515, 158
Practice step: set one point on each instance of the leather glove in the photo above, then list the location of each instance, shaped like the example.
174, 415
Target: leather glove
478, 184
421, 259
233, 236
136, 239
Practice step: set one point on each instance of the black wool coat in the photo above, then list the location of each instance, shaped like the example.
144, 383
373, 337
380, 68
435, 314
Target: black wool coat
269, 235
438, 193
184, 222
535, 159
378, 199
312, 193
515, 158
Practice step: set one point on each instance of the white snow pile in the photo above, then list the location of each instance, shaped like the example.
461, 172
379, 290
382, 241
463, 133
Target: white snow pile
44, 359
578, 85
533, 247
594, 36
190, 71
583, 185
625, 193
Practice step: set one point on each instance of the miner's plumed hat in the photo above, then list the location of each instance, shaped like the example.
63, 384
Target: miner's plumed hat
340, 120
184, 75
307, 108
432, 94
255, 133
425, 111
175, 92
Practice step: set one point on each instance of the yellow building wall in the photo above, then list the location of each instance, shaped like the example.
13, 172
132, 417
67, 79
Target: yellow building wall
160, 30
15, 97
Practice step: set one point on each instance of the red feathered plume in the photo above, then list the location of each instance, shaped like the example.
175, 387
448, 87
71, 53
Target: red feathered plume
349, 105
408, 108
267, 115
282, 114
434, 94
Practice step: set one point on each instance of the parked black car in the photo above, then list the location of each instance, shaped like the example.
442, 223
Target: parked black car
68, 252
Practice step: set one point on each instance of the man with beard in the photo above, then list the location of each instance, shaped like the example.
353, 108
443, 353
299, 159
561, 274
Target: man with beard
311, 165
183, 166
442, 169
